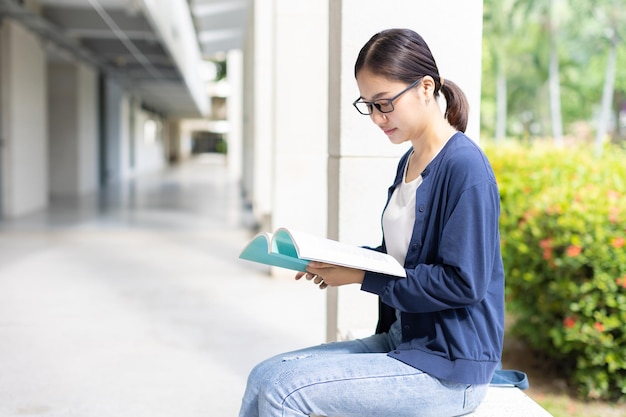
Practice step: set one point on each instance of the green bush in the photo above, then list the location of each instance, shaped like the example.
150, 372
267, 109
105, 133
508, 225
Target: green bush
563, 231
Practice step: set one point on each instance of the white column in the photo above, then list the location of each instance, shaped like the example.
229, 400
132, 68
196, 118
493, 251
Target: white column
259, 111
286, 86
23, 107
362, 162
301, 115
235, 113
73, 128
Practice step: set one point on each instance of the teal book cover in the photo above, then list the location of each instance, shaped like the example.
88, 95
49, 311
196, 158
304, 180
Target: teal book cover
276, 250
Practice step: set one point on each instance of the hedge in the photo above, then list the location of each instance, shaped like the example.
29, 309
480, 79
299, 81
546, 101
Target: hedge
563, 227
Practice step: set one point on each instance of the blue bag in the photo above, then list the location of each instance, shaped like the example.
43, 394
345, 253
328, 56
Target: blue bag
509, 378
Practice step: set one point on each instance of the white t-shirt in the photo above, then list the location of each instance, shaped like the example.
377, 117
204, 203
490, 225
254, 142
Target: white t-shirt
398, 221
399, 218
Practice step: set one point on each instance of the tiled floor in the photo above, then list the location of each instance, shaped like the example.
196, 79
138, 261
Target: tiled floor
134, 303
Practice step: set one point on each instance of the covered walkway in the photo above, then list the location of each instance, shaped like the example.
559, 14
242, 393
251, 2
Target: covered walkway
133, 303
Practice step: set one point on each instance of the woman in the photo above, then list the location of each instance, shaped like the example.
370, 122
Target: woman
439, 336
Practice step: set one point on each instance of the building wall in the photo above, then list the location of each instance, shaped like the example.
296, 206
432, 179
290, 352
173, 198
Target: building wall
24, 121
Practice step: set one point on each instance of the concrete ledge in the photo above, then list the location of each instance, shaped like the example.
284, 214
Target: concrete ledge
508, 402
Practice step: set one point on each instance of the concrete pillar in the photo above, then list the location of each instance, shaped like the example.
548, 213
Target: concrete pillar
259, 111
73, 128
285, 116
24, 130
361, 160
173, 140
235, 113
111, 136
301, 115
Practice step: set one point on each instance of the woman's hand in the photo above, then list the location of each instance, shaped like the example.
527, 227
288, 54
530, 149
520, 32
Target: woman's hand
325, 275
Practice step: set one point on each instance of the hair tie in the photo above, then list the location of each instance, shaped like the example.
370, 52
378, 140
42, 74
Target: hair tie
441, 80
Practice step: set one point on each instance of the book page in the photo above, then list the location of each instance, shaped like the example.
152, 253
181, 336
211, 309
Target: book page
331, 251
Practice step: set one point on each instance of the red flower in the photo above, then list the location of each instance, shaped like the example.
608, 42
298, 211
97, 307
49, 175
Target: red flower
617, 242
598, 326
613, 214
569, 322
574, 250
621, 281
613, 195
546, 243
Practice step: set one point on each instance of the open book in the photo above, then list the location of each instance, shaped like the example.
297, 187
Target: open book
293, 250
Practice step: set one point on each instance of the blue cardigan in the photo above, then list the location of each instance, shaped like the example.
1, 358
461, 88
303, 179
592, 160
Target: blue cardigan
452, 301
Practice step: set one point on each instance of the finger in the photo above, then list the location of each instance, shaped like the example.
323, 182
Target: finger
299, 275
318, 280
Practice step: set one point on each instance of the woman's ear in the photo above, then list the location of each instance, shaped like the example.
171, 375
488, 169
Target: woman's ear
428, 84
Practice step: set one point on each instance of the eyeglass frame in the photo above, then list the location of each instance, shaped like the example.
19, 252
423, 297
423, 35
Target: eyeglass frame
389, 100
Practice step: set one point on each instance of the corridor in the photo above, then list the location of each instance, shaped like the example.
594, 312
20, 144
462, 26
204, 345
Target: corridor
133, 303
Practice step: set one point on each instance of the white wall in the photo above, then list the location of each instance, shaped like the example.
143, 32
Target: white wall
24, 121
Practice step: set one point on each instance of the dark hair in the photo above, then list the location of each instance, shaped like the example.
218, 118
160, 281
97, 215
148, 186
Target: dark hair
403, 55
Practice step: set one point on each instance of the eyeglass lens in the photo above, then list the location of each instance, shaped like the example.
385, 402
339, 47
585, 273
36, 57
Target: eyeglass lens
366, 107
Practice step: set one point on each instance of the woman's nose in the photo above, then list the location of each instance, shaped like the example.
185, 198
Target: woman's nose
378, 118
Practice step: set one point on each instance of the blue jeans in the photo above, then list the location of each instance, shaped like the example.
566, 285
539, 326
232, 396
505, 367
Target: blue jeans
354, 378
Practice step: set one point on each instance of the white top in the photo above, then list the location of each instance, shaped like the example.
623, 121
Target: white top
398, 223
399, 218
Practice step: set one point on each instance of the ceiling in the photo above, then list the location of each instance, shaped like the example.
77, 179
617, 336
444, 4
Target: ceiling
116, 37
220, 24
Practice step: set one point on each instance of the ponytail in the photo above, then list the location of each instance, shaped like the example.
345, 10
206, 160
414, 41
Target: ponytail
457, 107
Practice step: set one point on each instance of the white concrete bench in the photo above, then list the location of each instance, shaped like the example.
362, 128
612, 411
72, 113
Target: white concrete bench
508, 402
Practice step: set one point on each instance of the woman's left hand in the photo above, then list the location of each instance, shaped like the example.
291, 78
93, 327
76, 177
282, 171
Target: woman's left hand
325, 275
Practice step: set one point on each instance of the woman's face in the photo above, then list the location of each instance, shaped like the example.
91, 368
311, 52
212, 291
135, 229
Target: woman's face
406, 121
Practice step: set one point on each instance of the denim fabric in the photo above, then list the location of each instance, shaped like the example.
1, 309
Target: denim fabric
352, 379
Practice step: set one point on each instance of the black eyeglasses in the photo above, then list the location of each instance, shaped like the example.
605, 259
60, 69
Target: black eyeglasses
383, 105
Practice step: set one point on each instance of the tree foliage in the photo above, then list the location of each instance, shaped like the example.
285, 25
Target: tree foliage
519, 39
